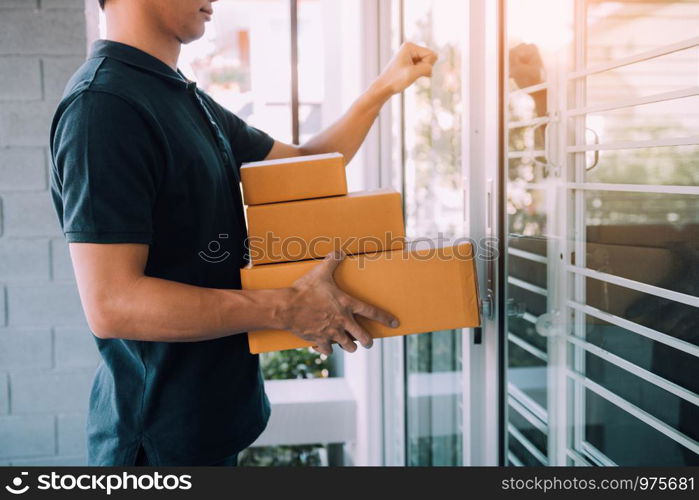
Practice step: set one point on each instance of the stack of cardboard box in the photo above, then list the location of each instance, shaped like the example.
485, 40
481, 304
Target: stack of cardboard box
298, 211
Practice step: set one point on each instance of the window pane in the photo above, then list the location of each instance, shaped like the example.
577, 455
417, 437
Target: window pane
434, 206
668, 408
527, 373
618, 29
311, 68
672, 364
660, 120
627, 440
522, 453
665, 316
671, 72
246, 42
434, 394
433, 122
647, 237
539, 34
674, 165
651, 238
528, 430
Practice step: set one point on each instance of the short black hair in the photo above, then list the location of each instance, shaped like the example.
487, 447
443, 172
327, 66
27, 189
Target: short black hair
101, 4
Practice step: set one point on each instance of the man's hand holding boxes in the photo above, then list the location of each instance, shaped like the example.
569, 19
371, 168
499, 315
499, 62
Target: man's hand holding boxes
298, 211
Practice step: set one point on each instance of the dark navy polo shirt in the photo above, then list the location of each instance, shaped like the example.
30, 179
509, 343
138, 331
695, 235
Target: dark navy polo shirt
141, 155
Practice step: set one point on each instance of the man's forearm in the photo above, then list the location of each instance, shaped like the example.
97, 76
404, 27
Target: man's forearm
154, 309
349, 131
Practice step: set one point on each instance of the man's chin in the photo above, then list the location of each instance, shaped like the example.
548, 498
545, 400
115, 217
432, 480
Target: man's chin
191, 37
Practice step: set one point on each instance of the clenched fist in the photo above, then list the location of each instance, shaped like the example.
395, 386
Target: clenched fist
409, 63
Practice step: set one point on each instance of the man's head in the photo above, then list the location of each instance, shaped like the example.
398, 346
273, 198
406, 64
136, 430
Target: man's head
183, 19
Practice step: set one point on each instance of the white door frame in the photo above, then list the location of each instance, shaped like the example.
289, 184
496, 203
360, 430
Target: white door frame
481, 170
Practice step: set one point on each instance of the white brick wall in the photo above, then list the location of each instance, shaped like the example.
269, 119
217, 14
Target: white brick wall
47, 354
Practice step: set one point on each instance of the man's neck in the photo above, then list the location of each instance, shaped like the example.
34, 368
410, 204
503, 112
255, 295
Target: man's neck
135, 31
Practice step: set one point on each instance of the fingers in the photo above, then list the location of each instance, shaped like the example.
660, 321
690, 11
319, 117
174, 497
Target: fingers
326, 348
371, 312
359, 333
423, 69
344, 341
430, 58
419, 53
323, 348
338, 336
423, 60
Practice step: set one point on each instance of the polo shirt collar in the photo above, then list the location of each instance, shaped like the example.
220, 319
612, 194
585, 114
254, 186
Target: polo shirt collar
136, 57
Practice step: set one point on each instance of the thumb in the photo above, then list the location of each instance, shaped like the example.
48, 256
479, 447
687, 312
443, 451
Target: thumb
331, 261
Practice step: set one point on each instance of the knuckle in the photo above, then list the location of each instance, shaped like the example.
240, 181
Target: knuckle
344, 304
359, 307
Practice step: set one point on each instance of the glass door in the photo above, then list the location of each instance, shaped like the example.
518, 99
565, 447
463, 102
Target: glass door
601, 117
428, 159
536, 51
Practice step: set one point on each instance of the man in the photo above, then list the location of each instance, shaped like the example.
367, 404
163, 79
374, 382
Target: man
145, 176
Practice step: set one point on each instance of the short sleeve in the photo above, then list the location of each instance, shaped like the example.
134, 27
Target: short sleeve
107, 165
248, 143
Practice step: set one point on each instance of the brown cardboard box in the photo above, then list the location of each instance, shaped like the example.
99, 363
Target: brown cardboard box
366, 221
427, 290
297, 178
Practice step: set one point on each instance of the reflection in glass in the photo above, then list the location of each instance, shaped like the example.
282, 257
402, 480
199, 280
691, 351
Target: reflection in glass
627, 440
674, 165
676, 319
667, 73
667, 362
528, 430
521, 453
660, 120
648, 237
623, 28
527, 373
526, 209
537, 35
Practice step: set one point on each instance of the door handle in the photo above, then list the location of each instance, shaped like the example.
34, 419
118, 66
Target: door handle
596, 151
487, 306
